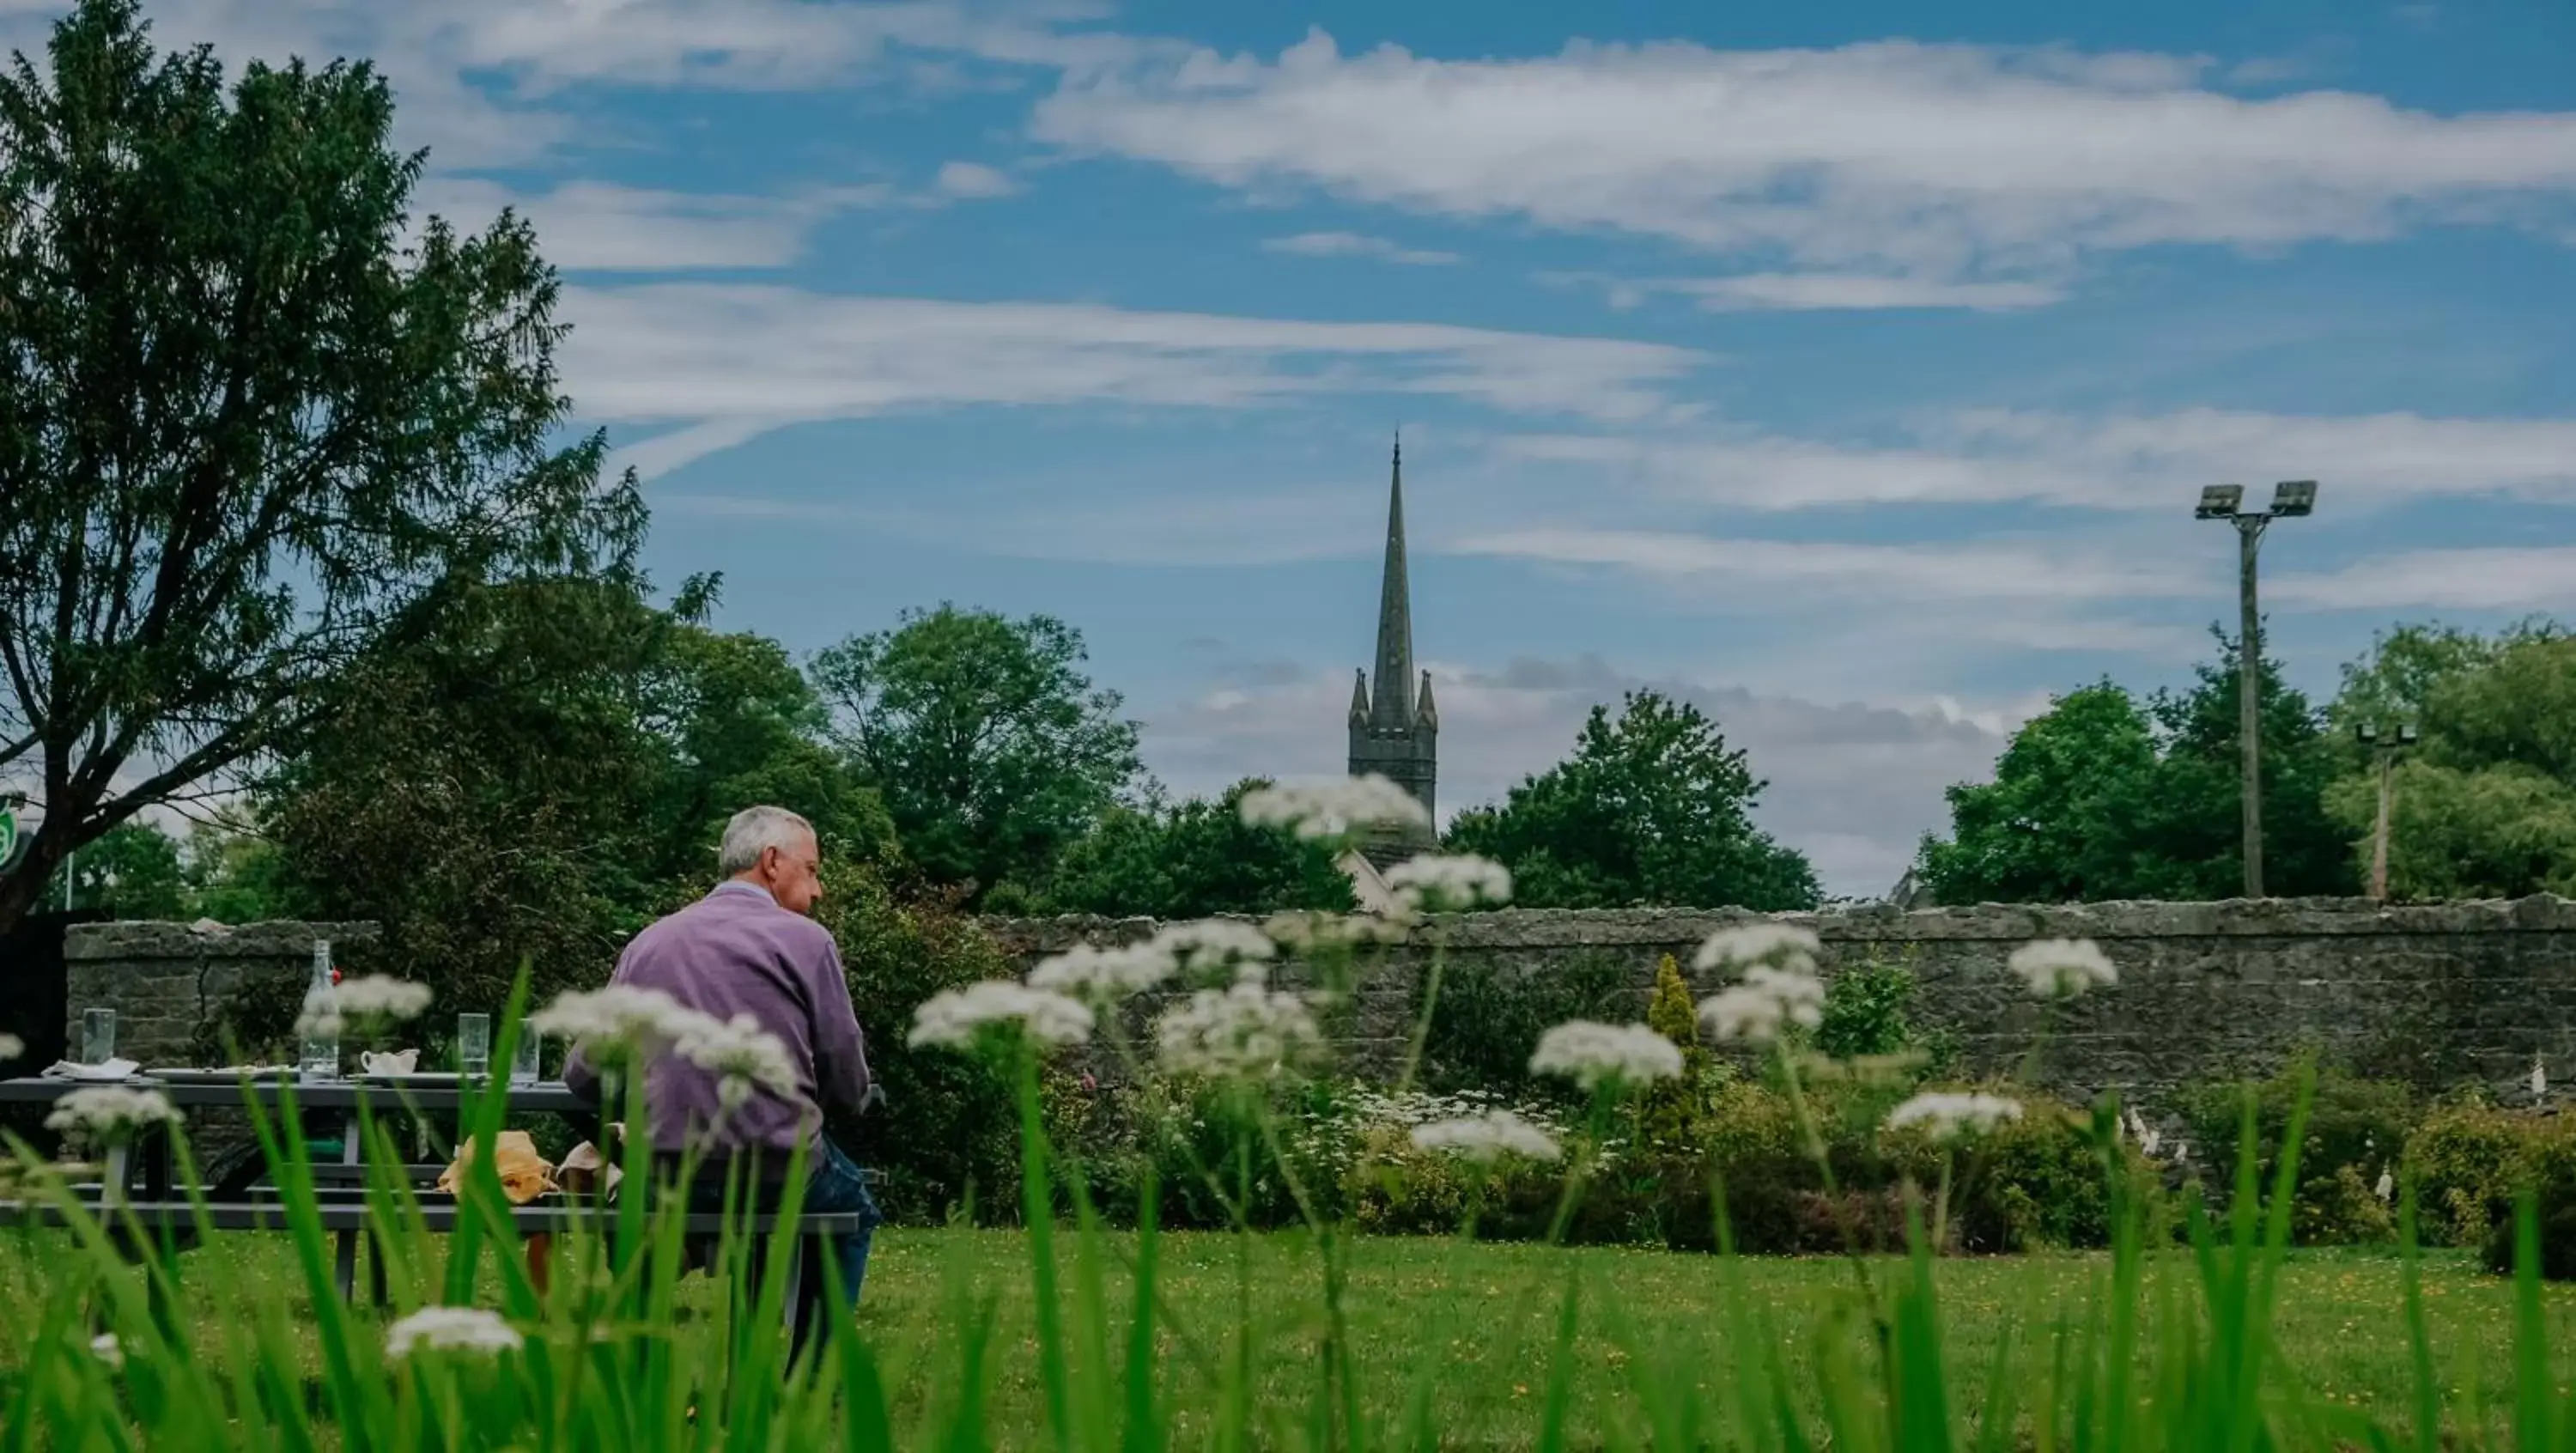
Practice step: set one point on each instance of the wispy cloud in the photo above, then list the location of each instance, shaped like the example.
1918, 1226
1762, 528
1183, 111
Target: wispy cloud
729, 361
1353, 244
2123, 462
2538, 578
1848, 572
1887, 159
974, 181
601, 227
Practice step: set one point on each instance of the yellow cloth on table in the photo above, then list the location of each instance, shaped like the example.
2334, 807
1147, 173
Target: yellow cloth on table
525, 1175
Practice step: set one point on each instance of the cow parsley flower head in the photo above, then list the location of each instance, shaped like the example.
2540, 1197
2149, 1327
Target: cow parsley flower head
2539, 1078
1953, 1116
451, 1329
1487, 1138
1769, 997
1208, 944
1611, 1056
1437, 882
330, 1008
1303, 931
11, 1046
1247, 1031
107, 1349
2387, 1186
111, 1112
742, 1053
963, 1019
619, 1022
1104, 975
2067, 966
1334, 809
1783, 945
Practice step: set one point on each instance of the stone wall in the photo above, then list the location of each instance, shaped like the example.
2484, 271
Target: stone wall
168, 980
2438, 993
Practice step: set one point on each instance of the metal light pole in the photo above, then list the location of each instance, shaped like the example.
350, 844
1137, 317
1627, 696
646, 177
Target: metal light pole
2386, 749
2290, 500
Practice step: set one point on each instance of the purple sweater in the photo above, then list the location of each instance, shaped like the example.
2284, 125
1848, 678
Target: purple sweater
732, 952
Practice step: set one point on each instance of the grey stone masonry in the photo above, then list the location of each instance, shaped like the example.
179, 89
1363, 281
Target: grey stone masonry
165, 979
2438, 994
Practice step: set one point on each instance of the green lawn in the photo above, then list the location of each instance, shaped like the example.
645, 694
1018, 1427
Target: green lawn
1479, 1320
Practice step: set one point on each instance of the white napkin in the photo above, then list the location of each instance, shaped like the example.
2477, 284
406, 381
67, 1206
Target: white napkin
115, 1069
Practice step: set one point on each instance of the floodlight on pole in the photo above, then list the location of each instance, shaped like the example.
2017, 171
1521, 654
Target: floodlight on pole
2386, 747
2291, 499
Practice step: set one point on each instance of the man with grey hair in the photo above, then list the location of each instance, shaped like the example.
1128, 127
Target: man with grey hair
749, 947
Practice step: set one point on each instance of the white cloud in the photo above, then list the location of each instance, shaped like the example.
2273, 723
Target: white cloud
1931, 161
598, 226
1846, 572
1824, 291
2144, 462
2504, 579
755, 357
1353, 244
972, 180
1854, 786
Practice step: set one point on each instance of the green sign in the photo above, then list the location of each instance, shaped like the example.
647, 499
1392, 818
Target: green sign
8, 834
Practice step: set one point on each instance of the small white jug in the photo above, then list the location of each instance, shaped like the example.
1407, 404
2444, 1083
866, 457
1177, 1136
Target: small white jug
392, 1062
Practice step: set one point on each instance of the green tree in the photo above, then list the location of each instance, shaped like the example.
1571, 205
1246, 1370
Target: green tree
1188, 860
1651, 808
2104, 797
1671, 1111
237, 875
131, 871
991, 748
249, 424
2486, 806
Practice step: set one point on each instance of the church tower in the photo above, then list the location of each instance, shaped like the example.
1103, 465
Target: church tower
1395, 729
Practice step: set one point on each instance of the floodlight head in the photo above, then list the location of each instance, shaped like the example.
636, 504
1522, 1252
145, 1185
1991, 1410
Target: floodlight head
2219, 501
2406, 734
2365, 732
2292, 498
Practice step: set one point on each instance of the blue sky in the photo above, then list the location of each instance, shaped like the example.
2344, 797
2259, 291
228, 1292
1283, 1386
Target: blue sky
1849, 368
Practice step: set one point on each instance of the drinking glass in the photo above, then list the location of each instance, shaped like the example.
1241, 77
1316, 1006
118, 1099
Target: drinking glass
474, 1044
98, 1036
523, 1060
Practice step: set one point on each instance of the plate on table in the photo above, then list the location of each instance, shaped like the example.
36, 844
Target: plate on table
228, 1075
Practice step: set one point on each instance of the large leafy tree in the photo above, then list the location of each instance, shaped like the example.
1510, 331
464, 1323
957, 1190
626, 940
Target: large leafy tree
1653, 807
988, 743
131, 871
1190, 859
248, 434
2486, 805
545, 772
2103, 796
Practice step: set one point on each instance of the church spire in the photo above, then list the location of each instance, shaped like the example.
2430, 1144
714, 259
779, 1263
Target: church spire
1392, 698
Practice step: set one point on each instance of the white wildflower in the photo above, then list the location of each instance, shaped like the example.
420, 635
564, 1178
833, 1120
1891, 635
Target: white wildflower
2063, 966
1213, 943
1758, 943
744, 1054
11, 1046
1947, 1116
2182, 1151
1437, 881
1247, 1031
1309, 930
619, 1021
1487, 1138
962, 1018
2148, 1142
1768, 998
1334, 809
2387, 1186
328, 1008
1598, 1055
107, 1349
111, 1112
1103, 975
2539, 1079
458, 1329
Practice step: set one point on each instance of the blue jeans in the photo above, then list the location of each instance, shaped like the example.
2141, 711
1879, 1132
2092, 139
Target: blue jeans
834, 1184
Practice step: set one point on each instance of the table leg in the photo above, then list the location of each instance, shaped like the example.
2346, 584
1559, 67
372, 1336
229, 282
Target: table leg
344, 1258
